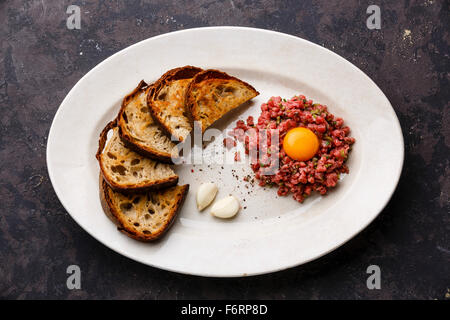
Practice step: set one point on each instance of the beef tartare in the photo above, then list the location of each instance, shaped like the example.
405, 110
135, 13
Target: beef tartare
300, 178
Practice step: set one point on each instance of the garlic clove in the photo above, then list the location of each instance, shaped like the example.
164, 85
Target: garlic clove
205, 195
225, 208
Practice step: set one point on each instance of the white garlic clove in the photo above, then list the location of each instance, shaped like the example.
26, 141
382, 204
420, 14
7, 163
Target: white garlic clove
205, 195
226, 207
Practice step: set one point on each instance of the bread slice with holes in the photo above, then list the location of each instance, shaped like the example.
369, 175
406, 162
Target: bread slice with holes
213, 93
166, 100
142, 216
125, 170
139, 131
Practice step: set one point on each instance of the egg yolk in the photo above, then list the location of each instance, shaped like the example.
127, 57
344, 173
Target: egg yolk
300, 144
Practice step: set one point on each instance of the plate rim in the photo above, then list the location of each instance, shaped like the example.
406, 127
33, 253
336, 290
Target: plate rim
285, 266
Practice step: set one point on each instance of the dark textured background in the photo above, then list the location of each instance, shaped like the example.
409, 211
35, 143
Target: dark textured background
41, 60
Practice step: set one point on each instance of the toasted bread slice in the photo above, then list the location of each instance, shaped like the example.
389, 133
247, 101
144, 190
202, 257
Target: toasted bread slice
166, 101
139, 131
125, 170
142, 216
213, 93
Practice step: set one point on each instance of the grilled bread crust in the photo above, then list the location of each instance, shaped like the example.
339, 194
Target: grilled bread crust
142, 216
135, 172
138, 129
212, 93
166, 101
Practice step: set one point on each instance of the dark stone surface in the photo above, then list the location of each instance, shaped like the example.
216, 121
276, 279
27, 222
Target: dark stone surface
41, 60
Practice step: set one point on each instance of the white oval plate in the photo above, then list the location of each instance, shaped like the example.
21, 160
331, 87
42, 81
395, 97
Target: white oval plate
272, 233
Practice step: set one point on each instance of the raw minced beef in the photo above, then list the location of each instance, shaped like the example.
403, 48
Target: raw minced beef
291, 176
